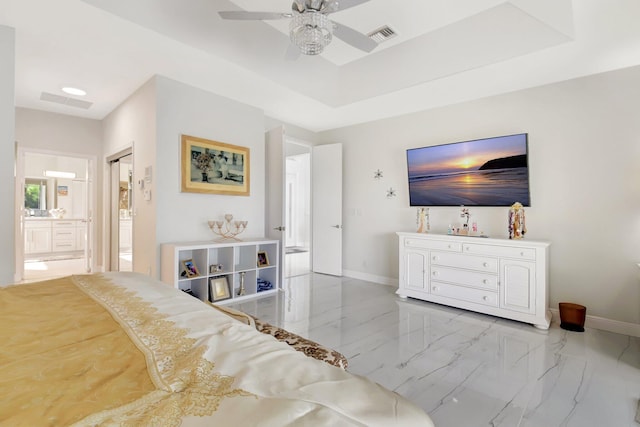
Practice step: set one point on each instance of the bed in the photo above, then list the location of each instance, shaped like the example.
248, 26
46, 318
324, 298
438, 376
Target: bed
124, 349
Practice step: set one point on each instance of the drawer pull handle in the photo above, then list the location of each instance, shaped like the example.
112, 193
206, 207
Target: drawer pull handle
521, 253
435, 258
485, 281
449, 246
435, 288
435, 273
485, 264
485, 298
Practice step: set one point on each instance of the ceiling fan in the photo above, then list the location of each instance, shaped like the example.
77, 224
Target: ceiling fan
310, 29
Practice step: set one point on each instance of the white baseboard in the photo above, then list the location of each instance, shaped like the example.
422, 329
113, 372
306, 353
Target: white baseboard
382, 280
616, 326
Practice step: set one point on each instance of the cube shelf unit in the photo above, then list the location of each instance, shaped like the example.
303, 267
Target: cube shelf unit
237, 258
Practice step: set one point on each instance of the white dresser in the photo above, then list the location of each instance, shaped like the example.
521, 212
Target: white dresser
500, 277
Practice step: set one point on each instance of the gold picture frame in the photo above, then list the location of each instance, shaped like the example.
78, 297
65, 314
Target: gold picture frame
219, 288
214, 167
263, 259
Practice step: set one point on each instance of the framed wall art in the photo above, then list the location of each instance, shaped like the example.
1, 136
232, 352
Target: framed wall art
214, 167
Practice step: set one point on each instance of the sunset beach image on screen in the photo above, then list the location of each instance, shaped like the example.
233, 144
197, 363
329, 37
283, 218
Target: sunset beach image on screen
482, 172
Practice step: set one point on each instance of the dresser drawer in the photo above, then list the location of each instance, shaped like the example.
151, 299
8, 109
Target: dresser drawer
43, 223
503, 251
64, 233
442, 245
465, 277
462, 293
63, 245
63, 224
479, 263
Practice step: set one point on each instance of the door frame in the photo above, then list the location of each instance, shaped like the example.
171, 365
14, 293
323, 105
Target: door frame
112, 234
309, 152
90, 247
276, 141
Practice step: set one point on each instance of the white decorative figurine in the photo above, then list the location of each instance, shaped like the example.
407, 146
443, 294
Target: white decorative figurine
423, 220
464, 213
517, 227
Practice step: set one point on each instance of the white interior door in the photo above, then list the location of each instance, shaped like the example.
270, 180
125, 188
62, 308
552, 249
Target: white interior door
326, 161
275, 191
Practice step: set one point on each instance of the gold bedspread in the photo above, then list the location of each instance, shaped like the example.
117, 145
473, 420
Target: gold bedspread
123, 349
57, 368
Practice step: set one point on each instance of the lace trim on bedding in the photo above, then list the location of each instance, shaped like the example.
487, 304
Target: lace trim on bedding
186, 380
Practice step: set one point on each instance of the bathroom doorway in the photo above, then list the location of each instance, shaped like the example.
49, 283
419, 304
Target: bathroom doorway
54, 220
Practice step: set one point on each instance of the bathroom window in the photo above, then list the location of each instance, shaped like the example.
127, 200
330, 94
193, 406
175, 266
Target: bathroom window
35, 194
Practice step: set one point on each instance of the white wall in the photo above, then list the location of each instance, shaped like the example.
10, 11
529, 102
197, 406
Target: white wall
36, 163
584, 160
7, 150
152, 119
134, 123
187, 110
61, 133
291, 131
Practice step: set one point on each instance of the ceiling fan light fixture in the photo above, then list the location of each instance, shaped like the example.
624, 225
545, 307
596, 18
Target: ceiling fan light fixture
310, 31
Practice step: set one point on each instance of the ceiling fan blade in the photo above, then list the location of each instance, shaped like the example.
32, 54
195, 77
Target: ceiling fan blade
346, 4
250, 16
353, 37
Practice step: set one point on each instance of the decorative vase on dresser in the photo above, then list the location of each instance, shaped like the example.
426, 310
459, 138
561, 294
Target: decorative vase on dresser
500, 277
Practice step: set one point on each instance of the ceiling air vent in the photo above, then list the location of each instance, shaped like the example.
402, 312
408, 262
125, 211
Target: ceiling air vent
65, 100
382, 34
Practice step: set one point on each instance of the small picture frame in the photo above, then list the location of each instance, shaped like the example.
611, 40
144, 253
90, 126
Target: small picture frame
219, 288
190, 268
263, 259
216, 268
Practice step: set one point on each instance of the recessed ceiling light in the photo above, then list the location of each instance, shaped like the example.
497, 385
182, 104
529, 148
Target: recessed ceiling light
74, 91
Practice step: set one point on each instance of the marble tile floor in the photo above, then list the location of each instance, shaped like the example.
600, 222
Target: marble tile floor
35, 270
297, 263
465, 369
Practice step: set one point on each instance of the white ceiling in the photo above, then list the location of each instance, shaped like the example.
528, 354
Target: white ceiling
446, 51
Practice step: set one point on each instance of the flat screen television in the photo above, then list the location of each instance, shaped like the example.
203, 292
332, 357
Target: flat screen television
483, 172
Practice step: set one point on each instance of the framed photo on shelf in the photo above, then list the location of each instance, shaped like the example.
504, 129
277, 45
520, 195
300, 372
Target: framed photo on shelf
190, 268
263, 259
214, 167
216, 268
219, 288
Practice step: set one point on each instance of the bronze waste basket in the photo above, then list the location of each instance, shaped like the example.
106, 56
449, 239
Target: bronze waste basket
572, 316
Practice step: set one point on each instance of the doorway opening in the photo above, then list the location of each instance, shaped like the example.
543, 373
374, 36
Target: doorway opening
297, 239
121, 211
55, 216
